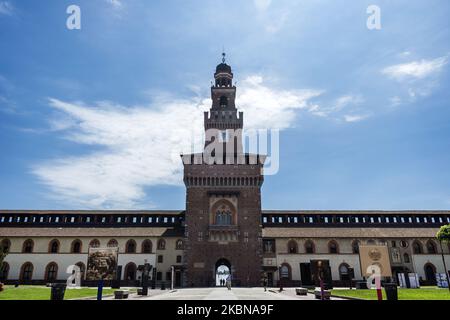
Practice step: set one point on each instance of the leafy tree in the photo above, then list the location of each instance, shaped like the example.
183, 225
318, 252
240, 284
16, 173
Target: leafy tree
443, 236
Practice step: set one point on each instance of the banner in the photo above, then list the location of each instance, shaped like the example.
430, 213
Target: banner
374, 258
102, 264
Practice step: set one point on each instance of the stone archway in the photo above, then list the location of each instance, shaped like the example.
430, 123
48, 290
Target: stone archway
222, 270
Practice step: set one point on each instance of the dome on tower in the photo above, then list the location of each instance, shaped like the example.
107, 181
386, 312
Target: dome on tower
223, 67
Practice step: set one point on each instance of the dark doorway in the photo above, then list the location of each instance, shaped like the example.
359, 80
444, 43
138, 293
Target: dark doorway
430, 273
270, 279
305, 273
178, 279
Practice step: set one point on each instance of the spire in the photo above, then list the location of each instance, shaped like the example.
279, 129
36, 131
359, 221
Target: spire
223, 56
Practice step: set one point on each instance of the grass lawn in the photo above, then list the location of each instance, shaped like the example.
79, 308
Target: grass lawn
43, 293
425, 293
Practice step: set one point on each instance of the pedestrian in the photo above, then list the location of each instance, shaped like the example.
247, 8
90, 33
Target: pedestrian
265, 282
229, 282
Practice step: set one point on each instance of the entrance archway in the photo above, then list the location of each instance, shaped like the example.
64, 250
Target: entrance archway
430, 273
223, 269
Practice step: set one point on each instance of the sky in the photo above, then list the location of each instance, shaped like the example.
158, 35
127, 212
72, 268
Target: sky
96, 118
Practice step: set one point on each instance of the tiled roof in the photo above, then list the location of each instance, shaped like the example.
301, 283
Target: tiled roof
90, 232
350, 232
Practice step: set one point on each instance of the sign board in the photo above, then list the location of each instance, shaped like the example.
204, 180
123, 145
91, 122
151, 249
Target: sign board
102, 264
373, 258
402, 280
441, 280
321, 270
414, 280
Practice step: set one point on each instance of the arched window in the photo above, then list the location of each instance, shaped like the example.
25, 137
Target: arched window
28, 246
224, 214
285, 271
179, 245
344, 271
417, 247
4, 270
53, 246
406, 258
333, 247
147, 246
371, 242
51, 272
5, 245
292, 246
161, 244
310, 247
26, 272
94, 243
130, 271
130, 247
76, 246
112, 243
355, 247
431, 247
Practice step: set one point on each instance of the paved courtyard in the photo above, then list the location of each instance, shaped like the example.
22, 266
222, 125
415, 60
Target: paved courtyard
223, 294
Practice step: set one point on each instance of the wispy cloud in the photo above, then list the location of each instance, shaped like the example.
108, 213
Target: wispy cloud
6, 8
344, 108
141, 146
415, 69
262, 4
354, 118
416, 78
117, 4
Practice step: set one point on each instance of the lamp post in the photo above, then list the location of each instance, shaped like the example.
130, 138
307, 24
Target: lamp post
171, 277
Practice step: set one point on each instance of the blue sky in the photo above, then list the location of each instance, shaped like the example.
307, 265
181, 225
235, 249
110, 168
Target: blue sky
95, 118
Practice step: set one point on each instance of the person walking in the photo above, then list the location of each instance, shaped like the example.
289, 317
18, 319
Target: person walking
229, 282
265, 281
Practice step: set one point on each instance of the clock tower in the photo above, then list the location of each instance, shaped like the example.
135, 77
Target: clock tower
223, 197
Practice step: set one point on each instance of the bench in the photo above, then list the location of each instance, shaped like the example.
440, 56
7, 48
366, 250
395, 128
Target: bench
121, 294
301, 291
326, 294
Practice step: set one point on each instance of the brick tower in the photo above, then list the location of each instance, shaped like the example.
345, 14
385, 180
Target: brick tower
223, 197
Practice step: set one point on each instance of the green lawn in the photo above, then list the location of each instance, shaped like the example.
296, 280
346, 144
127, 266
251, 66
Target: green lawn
426, 293
43, 293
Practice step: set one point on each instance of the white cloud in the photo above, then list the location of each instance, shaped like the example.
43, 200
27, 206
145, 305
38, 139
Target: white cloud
347, 100
355, 118
262, 4
348, 103
6, 8
416, 69
115, 3
139, 146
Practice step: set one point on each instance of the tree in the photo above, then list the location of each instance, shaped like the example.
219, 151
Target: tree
443, 235
3, 253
